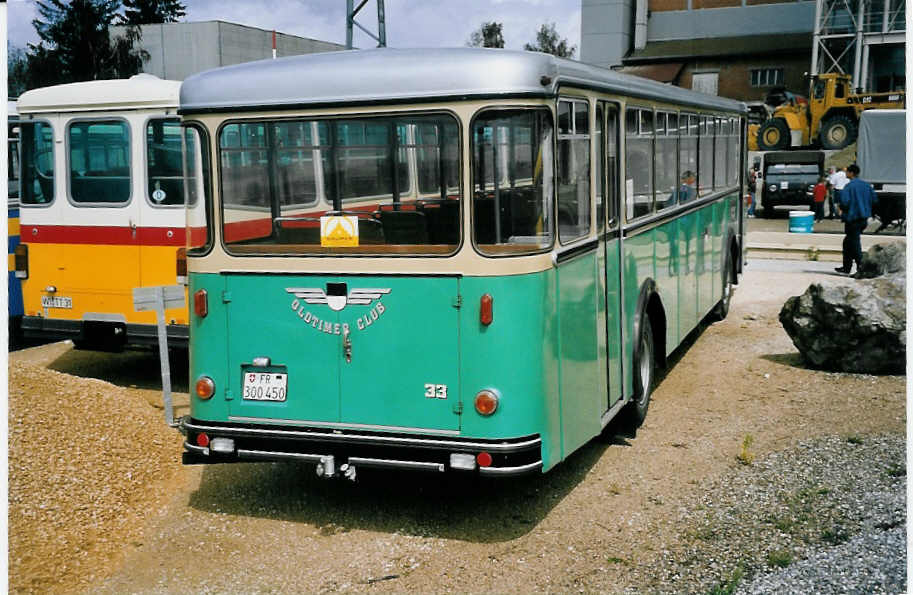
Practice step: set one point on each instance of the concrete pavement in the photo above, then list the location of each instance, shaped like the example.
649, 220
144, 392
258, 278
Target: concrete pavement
770, 238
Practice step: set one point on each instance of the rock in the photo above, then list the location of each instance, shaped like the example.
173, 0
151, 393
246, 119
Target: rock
884, 259
851, 326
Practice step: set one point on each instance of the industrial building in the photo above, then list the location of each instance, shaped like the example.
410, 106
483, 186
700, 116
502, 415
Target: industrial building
178, 50
744, 48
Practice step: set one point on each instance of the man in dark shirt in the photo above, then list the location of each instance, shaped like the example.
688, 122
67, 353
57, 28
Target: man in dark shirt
856, 200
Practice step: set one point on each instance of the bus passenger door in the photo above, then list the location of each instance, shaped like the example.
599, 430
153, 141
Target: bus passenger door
612, 270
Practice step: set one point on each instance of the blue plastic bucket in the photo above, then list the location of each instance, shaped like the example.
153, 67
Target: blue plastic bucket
801, 221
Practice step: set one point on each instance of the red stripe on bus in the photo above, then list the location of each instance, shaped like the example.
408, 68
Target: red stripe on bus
108, 235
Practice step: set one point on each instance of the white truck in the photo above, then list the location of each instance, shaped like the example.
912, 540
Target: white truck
881, 156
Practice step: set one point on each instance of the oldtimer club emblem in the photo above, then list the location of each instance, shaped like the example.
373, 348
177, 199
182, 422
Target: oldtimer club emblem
337, 298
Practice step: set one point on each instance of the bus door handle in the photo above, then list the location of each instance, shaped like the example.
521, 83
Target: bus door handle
133, 228
346, 345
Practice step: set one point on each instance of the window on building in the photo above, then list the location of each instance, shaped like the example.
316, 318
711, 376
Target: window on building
766, 77
705, 82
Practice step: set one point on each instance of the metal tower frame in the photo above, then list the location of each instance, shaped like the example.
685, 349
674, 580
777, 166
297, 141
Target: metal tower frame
845, 30
381, 37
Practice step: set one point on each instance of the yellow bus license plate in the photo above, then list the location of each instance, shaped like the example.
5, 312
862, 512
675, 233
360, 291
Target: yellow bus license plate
57, 302
264, 386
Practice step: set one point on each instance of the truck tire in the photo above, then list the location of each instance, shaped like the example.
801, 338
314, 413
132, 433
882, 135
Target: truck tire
838, 132
774, 135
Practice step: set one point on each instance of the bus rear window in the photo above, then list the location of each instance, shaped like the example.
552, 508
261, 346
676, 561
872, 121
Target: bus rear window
194, 151
37, 167
380, 185
99, 161
512, 181
164, 163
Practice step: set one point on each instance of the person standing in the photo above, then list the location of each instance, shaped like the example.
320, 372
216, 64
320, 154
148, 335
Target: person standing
820, 195
856, 201
752, 191
838, 181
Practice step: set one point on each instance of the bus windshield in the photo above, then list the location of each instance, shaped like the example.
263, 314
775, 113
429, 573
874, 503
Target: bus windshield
370, 185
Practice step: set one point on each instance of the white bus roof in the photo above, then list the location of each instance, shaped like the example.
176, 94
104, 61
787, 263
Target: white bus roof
412, 75
141, 91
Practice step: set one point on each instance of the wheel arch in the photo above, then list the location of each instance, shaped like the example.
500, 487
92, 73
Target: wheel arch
650, 304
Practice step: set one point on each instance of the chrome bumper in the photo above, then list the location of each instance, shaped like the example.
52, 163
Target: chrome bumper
341, 450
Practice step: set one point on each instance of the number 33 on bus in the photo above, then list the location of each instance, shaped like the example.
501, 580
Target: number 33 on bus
448, 260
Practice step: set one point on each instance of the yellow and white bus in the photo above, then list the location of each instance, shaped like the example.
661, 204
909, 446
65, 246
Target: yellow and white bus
102, 208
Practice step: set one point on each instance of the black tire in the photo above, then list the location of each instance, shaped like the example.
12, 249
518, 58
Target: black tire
644, 376
838, 132
773, 135
721, 310
767, 212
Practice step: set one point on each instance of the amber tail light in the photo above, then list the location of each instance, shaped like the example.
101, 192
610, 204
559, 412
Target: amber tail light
22, 261
182, 266
486, 309
201, 303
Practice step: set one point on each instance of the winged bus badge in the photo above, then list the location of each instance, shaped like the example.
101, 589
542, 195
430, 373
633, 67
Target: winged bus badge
356, 297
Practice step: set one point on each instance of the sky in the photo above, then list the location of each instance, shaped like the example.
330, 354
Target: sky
410, 23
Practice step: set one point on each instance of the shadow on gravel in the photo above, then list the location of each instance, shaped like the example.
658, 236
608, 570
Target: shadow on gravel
791, 360
130, 369
463, 507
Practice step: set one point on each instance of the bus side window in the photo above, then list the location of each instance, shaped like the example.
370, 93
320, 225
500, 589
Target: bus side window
720, 145
666, 160
37, 167
705, 157
574, 173
638, 163
611, 144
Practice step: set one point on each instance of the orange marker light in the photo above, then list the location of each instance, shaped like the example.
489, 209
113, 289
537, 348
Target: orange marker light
205, 387
486, 402
200, 303
486, 309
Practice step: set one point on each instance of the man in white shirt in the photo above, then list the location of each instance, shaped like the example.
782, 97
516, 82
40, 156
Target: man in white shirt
837, 180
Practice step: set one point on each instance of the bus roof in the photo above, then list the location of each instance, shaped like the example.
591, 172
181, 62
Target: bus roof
141, 91
399, 75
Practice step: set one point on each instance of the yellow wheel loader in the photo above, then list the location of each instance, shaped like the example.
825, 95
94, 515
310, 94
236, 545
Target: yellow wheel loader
829, 118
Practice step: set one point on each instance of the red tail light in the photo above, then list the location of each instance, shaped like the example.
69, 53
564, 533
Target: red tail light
182, 265
22, 261
202, 440
200, 303
484, 459
486, 309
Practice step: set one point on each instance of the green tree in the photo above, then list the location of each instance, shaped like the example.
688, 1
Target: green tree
76, 44
17, 70
487, 36
144, 12
549, 42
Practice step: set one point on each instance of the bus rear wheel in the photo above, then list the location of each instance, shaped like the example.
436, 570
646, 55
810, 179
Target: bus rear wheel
644, 373
721, 311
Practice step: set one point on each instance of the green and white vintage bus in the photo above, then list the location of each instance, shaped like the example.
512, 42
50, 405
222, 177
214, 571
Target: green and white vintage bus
448, 260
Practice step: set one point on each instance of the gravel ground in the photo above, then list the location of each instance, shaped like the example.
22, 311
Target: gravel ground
827, 516
671, 509
80, 484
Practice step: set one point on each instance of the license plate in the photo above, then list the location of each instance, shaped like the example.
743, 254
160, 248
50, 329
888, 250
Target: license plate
784, 185
264, 386
57, 302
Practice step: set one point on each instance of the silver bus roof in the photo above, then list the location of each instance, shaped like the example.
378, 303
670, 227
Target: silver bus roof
414, 75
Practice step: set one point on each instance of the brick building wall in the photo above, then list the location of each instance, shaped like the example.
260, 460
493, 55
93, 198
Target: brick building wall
735, 74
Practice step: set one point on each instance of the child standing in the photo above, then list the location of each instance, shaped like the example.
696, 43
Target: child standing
820, 195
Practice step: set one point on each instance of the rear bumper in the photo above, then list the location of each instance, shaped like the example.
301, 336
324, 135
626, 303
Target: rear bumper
338, 448
110, 335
